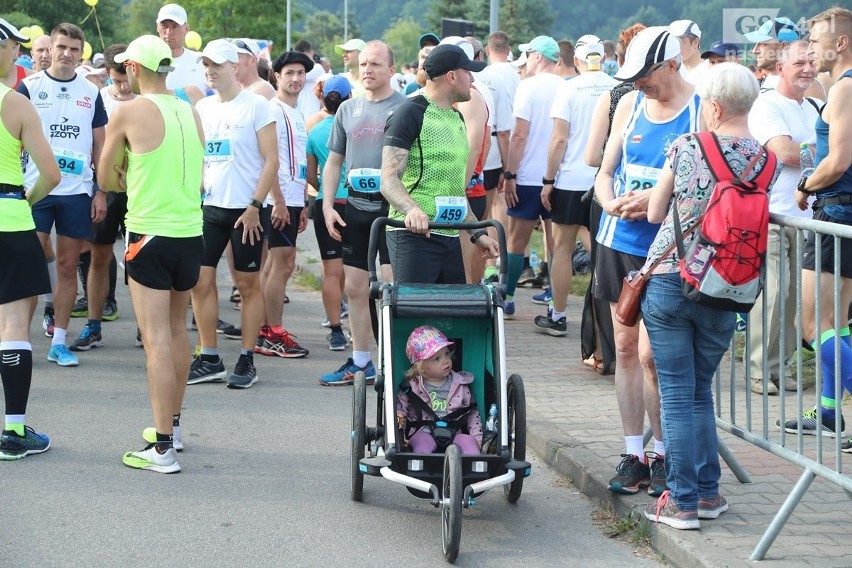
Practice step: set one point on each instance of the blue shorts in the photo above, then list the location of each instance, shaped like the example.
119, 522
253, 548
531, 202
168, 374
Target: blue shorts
529, 205
72, 215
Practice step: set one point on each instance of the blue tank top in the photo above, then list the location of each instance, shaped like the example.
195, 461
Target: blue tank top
644, 148
844, 184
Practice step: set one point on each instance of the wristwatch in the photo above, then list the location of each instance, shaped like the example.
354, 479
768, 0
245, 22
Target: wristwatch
475, 236
545, 181
256, 203
509, 175
801, 186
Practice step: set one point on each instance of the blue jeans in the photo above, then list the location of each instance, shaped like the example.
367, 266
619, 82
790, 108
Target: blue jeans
688, 340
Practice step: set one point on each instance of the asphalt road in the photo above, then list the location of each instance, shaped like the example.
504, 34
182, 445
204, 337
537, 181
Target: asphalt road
265, 475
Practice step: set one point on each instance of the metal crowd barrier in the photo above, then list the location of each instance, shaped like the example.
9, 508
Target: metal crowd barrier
752, 417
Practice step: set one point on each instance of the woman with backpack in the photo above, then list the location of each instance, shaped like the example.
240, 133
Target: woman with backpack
689, 336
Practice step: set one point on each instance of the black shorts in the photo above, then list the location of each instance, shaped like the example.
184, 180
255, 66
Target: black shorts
218, 230
418, 259
827, 248
567, 208
163, 263
477, 206
329, 248
611, 267
356, 237
285, 237
24, 273
491, 178
106, 232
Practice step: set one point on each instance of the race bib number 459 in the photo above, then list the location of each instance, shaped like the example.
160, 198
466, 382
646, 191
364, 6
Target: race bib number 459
450, 209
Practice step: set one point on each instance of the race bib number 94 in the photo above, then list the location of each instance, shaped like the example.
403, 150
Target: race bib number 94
70, 163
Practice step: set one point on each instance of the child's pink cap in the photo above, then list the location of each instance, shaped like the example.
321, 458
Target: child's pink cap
424, 342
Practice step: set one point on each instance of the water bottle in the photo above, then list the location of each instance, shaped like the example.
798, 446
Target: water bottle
806, 160
534, 261
491, 423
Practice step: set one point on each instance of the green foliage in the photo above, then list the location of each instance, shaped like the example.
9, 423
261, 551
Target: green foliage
402, 38
49, 13
325, 30
140, 17
20, 19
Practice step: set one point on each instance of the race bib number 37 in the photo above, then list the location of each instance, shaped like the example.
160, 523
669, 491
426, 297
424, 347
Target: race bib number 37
70, 163
218, 150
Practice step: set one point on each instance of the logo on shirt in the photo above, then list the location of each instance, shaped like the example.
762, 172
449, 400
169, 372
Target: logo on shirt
637, 138
42, 95
63, 94
86, 102
64, 130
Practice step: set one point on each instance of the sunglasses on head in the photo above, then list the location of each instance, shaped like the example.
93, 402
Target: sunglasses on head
242, 45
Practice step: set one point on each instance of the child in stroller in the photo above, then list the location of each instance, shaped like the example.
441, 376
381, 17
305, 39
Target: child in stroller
435, 407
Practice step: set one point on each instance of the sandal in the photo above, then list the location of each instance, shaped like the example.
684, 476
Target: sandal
235, 295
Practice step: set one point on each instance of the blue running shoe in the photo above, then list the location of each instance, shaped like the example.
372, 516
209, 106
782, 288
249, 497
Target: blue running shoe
15, 447
543, 298
60, 355
337, 340
88, 338
509, 310
345, 375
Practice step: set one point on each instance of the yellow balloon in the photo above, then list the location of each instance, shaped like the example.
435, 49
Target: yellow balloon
91, 3
87, 50
36, 31
25, 31
192, 40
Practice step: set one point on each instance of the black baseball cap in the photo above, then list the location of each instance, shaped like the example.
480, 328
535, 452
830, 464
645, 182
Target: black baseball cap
289, 57
445, 58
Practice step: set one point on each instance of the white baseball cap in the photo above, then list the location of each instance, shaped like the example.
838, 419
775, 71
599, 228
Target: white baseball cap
219, 51
520, 61
459, 41
246, 46
587, 45
351, 45
172, 12
8, 31
680, 28
86, 70
649, 47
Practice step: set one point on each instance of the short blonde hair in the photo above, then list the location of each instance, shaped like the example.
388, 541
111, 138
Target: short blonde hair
731, 85
839, 21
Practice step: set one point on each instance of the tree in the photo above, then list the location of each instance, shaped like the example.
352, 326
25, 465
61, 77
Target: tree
141, 17
325, 30
523, 20
402, 38
49, 14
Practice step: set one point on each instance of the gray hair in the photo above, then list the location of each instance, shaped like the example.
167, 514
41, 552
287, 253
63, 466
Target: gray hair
731, 85
784, 54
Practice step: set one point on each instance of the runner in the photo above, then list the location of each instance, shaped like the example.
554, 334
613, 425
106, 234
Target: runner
689, 34
73, 118
19, 247
172, 26
240, 165
41, 53
161, 140
350, 52
308, 102
286, 212
357, 136
247, 74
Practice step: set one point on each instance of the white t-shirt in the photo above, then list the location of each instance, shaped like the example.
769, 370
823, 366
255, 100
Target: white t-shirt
292, 141
774, 115
110, 103
502, 79
308, 102
533, 101
69, 112
694, 76
575, 103
188, 72
232, 160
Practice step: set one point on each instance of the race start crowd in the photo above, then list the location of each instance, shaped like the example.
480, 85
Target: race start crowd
197, 155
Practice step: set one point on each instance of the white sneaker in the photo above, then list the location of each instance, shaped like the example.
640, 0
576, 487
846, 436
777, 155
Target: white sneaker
149, 434
758, 384
151, 459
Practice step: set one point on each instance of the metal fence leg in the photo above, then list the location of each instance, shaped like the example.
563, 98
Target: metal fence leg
782, 515
647, 436
739, 472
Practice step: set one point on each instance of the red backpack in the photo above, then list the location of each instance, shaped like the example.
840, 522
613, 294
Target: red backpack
723, 267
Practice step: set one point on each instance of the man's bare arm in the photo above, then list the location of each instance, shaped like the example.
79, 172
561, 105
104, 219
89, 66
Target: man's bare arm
394, 162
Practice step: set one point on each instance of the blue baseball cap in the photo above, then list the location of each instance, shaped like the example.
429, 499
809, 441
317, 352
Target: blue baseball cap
337, 84
722, 49
780, 29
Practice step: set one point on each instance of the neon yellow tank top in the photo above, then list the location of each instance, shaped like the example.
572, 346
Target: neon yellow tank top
15, 214
164, 185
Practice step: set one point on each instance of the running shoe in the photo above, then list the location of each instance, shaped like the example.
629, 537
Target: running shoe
15, 447
509, 310
345, 375
337, 340
244, 375
262, 344
545, 324
139, 342
344, 313
543, 298
712, 508
664, 510
527, 277
81, 308
220, 325
60, 355
657, 483
152, 460
809, 424
742, 322
284, 346
202, 371
233, 332
149, 434
111, 312
631, 475
47, 323
88, 338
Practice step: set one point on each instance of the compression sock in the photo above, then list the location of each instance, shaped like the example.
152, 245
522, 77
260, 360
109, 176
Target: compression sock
164, 442
516, 266
16, 371
113, 275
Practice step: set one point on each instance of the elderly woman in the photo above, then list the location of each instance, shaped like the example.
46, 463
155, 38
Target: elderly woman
688, 339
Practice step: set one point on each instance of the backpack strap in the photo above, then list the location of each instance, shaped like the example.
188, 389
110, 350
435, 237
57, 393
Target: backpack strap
714, 156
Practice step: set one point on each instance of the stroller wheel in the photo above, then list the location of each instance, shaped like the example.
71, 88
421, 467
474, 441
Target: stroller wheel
451, 503
359, 433
516, 416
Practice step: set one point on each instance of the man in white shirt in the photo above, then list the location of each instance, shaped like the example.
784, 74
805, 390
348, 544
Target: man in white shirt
567, 177
248, 50
782, 119
172, 27
350, 51
309, 103
689, 35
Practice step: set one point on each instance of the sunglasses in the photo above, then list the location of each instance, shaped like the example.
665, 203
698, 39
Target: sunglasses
240, 44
